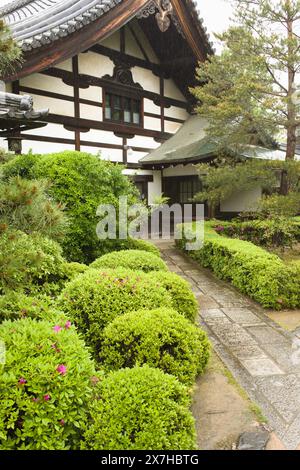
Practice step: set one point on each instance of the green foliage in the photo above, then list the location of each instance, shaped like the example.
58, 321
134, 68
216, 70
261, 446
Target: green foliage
25, 206
81, 182
95, 298
161, 338
45, 386
29, 262
251, 269
144, 245
183, 299
224, 180
141, 409
244, 93
280, 206
132, 259
72, 270
277, 232
17, 305
10, 52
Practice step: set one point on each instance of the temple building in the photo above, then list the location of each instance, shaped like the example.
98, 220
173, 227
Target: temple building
115, 76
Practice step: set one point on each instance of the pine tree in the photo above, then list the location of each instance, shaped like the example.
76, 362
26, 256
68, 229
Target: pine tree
248, 92
10, 53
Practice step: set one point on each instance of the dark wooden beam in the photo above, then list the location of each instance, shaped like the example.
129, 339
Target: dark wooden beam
79, 41
76, 99
88, 80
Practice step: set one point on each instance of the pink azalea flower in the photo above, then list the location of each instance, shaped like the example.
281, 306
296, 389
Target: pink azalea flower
61, 369
22, 381
68, 325
35, 400
47, 397
62, 422
57, 328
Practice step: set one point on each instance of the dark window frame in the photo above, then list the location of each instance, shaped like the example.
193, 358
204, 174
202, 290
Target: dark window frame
123, 96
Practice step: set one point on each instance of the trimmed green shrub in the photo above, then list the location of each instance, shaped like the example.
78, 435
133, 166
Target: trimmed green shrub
29, 262
278, 232
144, 245
161, 338
72, 270
131, 259
279, 205
251, 269
183, 298
16, 305
45, 386
95, 298
141, 409
81, 182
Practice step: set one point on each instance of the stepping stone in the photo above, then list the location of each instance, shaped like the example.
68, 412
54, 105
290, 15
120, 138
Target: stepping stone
253, 440
242, 315
261, 367
266, 334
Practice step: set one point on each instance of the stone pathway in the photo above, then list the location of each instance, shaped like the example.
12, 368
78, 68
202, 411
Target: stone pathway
264, 358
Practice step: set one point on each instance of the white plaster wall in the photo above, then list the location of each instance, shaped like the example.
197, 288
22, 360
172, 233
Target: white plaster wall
150, 107
56, 130
92, 93
146, 78
44, 147
113, 41
155, 188
105, 154
66, 65
180, 170
152, 123
172, 91
61, 107
144, 41
243, 200
175, 112
91, 112
95, 135
172, 127
94, 64
131, 46
43, 82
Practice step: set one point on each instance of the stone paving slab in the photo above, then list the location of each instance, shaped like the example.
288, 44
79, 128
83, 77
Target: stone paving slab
263, 358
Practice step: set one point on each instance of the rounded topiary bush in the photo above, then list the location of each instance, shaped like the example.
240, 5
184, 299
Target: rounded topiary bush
160, 338
45, 385
141, 409
131, 259
183, 298
95, 298
144, 245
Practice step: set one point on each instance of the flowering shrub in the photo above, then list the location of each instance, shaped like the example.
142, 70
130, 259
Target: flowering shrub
131, 259
16, 305
45, 385
183, 299
161, 338
95, 298
141, 409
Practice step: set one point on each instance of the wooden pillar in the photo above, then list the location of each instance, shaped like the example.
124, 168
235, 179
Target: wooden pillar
76, 99
162, 106
125, 151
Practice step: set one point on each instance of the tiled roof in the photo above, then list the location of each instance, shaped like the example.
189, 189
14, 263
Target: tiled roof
19, 107
36, 23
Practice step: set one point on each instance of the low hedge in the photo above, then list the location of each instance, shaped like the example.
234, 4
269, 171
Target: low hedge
254, 271
141, 409
279, 232
95, 298
161, 338
45, 386
183, 298
132, 259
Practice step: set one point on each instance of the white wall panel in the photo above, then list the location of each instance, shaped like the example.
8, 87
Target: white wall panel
172, 127
243, 200
66, 65
95, 135
175, 112
43, 82
146, 78
44, 147
180, 170
56, 106
96, 65
113, 41
92, 93
91, 112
